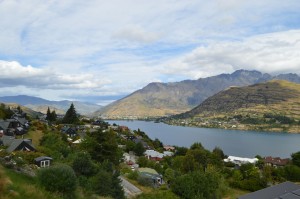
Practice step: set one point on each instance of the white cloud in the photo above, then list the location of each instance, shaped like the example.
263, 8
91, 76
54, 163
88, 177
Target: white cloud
118, 46
14, 74
136, 34
271, 53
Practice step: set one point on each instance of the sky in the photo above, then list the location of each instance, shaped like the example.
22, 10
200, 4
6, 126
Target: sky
100, 51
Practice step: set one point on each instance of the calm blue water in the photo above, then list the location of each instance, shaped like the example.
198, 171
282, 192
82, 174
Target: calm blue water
232, 142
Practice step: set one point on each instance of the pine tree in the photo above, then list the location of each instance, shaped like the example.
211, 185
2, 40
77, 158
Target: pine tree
48, 117
71, 116
53, 115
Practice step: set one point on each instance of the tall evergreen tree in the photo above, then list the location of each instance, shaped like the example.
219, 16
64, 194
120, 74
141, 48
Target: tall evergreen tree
48, 117
53, 115
71, 116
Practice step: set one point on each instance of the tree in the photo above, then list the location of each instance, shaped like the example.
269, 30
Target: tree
197, 184
48, 115
60, 178
101, 183
71, 116
51, 116
19, 109
296, 158
83, 164
102, 145
139, 149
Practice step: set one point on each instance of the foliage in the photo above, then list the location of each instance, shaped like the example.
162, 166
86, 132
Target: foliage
60, 178
106, 184
102, 145
248, 178
55, 145
296, 158
158, 195
83, 164
71, 116
51, 116
5, 112
169, 175
139, 149
180, 151
133, 175
197, 184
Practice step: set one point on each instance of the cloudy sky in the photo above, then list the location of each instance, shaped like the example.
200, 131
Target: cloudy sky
101, 50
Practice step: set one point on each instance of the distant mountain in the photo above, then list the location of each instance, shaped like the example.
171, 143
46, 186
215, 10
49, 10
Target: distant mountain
41, 105
163, 99
274, 97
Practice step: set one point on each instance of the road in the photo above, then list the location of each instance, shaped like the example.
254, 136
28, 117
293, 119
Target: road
129, 189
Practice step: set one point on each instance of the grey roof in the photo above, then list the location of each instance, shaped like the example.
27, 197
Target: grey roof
4, 124
22, 121
7, 140
42, 158
286, 190
16, 143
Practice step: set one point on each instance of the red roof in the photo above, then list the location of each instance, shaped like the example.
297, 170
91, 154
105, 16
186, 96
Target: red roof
276, 161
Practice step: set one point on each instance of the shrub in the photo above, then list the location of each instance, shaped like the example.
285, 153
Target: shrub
133, 175
60, 178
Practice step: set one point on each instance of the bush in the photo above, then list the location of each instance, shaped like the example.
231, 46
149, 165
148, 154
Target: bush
133, 175
60, 178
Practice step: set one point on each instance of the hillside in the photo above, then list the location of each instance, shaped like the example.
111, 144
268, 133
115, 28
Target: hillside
274, 102
163, 99
41, 105
25, 109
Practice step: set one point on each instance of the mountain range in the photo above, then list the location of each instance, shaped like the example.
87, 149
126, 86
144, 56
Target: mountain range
41, 105
164, 99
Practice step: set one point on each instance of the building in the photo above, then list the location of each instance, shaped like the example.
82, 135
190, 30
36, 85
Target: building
154, 178
286, 190
275, 162
157, 156
239, 160
43, 161
17, 144
169, 148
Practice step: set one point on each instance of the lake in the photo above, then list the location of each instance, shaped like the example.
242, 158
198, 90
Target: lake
232, 142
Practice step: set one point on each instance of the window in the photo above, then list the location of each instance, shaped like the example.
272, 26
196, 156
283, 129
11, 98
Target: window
45, 163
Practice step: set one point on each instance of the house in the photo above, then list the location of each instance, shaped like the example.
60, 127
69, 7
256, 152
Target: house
169, 148
17, 144
70, 131
139, 140
152, 175
284, 190
275, 162
129, 158
13, 127
239, 160
43, 161
123, 128
23, 122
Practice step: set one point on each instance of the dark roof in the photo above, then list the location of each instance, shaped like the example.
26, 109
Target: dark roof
20, 144
43, 158
286, 190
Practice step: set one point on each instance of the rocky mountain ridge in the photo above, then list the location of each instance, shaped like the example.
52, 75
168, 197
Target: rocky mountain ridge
164, 99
